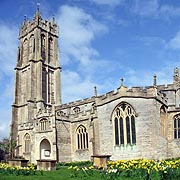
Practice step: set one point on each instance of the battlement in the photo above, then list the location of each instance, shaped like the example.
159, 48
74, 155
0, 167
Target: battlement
26, 126
46, 25
168, 87
134, 92
75, 103
79, 116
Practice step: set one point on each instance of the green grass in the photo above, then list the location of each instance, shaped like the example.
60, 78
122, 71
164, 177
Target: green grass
61, 174
64, 174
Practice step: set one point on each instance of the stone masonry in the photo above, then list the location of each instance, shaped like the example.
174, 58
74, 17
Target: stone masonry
124, 124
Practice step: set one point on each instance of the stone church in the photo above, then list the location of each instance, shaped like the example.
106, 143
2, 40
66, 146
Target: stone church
124, 124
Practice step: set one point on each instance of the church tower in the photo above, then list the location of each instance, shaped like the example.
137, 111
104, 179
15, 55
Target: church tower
37, 81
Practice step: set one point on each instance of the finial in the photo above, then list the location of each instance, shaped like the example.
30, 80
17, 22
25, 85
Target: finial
122, 82
176, 74
95, 91
38, 4
37, 16
25, 18
53, 20
155, 81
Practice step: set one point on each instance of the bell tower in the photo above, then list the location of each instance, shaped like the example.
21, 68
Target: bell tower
37, 72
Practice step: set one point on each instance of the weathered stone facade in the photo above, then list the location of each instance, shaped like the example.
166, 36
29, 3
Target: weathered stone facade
129, 123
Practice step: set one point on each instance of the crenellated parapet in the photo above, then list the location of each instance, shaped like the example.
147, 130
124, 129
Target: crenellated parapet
76, 103
26, 126
77, 110
28, 26
134, 92
46, 112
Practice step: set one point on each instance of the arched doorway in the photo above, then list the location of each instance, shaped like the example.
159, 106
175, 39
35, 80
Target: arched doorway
45, 149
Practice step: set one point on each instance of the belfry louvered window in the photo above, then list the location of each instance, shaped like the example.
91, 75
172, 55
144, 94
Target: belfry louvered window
82, 138
124, 125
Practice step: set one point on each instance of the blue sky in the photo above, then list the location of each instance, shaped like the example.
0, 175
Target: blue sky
100, 42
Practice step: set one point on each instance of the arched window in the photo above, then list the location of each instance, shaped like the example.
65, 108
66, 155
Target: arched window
45, 149
43, 46
82, 138
25, 51
177, 126
44, 125
163, 121
31, 46
124, 125
51, 48
27, 141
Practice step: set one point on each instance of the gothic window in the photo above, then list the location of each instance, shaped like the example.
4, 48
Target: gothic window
25, 51
31, 45
43, 46
124, 125
27, 141
177, 126
50, 86
44, 125
24, 85
163, 121
50, 54
82, 137
44, 84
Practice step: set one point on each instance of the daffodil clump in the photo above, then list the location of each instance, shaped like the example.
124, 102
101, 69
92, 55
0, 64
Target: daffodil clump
18, 170
145, 169
141, 169
81, 171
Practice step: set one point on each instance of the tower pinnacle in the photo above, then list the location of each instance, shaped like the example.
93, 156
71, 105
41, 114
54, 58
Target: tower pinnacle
37, 15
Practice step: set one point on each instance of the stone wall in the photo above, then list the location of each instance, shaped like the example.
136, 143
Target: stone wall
63, 130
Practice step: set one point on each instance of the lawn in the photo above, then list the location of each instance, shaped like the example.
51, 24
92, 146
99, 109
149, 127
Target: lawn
61, 174
141, 169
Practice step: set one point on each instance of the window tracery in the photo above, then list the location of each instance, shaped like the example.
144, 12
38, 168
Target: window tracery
43, 125
124, 125
82, 137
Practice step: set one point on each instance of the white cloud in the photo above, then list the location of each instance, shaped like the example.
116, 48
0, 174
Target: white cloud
8, 54
8, 48
78, 30
174, 43
146, 8
168, 11
154, 8
108, 2
74, 87
134, 77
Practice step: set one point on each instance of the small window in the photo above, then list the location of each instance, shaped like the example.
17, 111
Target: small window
44, 125
27, 141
